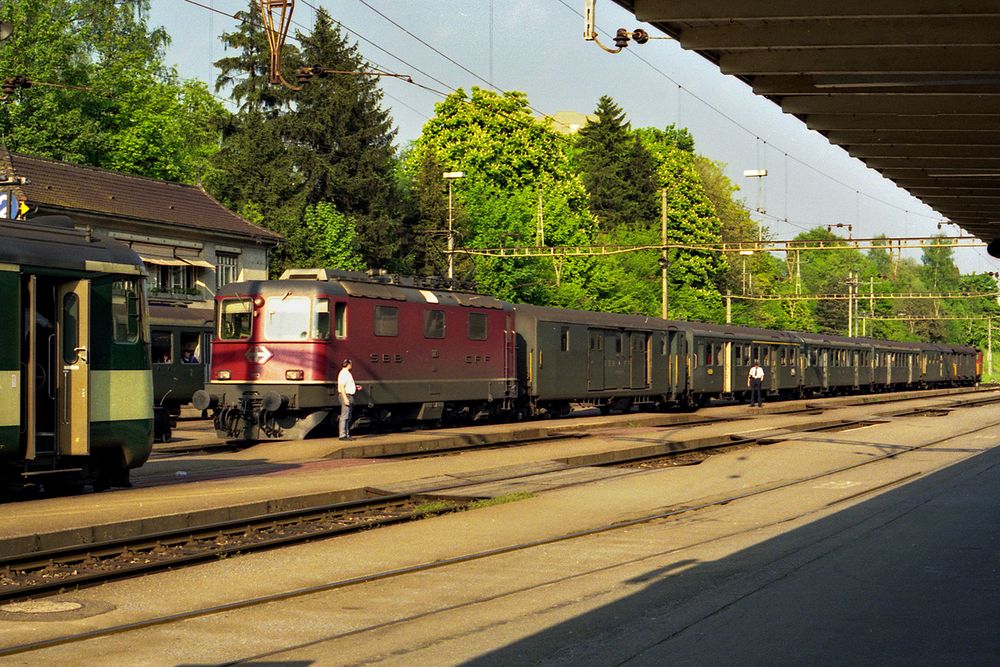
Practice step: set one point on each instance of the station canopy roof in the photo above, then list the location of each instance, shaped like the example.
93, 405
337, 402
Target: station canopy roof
910, 87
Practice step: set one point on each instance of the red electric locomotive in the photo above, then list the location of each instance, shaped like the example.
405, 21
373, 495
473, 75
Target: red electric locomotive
419, 352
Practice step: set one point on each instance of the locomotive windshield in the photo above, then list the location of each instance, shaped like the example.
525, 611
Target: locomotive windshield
287, 318
235, 316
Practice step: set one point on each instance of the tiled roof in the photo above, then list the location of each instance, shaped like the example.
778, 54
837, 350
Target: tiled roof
101, 192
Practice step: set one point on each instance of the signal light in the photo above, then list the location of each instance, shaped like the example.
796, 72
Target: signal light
295, 374
223, 375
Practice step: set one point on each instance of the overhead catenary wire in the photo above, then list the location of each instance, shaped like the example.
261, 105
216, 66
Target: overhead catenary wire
746, 129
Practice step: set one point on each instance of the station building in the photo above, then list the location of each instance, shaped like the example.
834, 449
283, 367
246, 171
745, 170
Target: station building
191, 244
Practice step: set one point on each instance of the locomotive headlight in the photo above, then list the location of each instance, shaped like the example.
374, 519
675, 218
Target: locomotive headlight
223, 375
295, 375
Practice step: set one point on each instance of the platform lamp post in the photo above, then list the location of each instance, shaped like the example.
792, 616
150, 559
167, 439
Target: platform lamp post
451, 176
759, 174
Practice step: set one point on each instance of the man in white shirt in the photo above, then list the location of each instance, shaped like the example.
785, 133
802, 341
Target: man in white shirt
755, 380
346, 388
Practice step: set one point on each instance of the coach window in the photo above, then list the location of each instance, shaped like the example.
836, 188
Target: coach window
477, 326
386, 321
287, 318
708, 354
161, 347
596, 341
564, 339
719, 356
235, 317
618, 343
71, 328
433, 324
125, 311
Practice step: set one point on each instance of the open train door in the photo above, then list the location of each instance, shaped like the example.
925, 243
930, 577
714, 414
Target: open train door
73, 379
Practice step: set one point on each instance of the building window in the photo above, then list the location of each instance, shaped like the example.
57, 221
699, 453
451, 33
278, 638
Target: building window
170, 279
226, 268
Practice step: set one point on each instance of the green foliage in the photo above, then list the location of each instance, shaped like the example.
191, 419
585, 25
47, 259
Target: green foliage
98, 68
516, 171
328, 144
333, 237
617, 170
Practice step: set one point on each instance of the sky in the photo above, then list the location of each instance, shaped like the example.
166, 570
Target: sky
537, 46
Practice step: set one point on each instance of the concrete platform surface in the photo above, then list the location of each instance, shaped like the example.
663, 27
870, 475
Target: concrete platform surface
893, 562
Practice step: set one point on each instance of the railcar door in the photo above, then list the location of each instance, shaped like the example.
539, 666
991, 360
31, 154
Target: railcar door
42, 366
614, 357
727, 369
639, 360
595, 380
824, 368
73, 379
677, 362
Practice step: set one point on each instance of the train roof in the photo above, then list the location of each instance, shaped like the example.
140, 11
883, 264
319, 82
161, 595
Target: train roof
181, 316
53, 242
445, 292
366, 286
609, 320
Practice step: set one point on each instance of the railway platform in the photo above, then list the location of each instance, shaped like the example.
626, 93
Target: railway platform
873, 545
182, 491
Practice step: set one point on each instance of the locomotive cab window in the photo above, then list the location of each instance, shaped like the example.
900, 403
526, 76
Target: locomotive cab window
340, 320
235, 318
386, 321
477, 326
321, 320
287, 318
433, 324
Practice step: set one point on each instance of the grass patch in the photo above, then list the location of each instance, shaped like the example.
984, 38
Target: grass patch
433, 507
500, 500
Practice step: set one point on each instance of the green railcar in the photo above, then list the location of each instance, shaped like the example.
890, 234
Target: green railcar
76, 390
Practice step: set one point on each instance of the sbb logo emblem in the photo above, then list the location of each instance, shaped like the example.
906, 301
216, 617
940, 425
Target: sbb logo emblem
258, 354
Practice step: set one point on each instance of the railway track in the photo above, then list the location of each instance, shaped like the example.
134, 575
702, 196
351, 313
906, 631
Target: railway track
401, 509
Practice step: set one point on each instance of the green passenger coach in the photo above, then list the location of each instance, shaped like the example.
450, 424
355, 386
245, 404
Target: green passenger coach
76, 396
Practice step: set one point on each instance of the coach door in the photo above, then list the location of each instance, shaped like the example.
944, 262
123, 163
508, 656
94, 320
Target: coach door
639, 360
73, 364
727, 369
596, 360
615, 368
